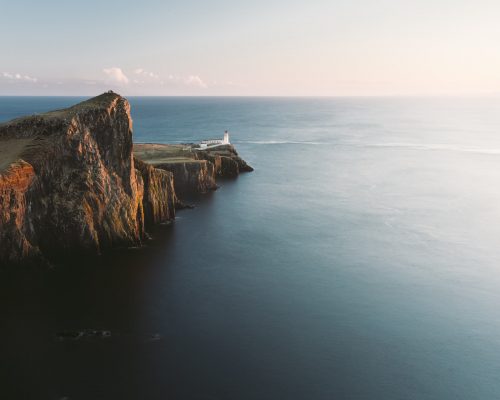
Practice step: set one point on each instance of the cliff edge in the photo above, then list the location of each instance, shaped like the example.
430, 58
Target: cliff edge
68, 183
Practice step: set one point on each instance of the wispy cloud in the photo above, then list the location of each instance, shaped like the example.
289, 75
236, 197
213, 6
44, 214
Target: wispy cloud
116, 75
195, 80
190, 80
18, 77
147, 74
144, 77
130, 81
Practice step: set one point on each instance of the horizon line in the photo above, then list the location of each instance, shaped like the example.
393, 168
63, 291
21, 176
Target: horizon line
488, 94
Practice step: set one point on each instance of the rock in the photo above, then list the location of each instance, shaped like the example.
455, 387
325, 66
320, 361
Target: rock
193, 176
15, 228
159, 198
69, 335
69, 185
85, 333
194, 170
154, 337
227, 162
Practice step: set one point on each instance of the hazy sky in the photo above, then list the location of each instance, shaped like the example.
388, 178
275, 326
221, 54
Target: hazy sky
255, 47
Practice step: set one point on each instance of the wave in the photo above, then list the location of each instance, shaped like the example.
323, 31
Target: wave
438, 147
411, 146
284, 142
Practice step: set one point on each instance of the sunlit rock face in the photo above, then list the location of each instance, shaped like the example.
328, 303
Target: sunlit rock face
68, 183
14, 226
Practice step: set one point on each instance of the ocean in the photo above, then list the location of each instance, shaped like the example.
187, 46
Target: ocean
360, 260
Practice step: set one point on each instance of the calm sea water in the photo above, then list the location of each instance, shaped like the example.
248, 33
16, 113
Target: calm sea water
361, 260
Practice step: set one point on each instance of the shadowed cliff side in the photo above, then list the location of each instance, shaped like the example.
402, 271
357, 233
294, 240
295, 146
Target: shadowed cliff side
159, 200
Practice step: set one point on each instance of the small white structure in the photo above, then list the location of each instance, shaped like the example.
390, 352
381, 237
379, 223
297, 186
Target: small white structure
215, 142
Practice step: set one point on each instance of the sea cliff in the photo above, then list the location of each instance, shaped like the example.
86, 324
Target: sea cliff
194, 169
70, 184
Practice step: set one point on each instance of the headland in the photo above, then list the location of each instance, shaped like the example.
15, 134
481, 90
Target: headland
73, 182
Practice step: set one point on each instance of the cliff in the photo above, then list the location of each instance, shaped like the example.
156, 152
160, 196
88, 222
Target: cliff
71, 184
159, 200
226, 160
194, 170
68, 183
14, 227
191, 176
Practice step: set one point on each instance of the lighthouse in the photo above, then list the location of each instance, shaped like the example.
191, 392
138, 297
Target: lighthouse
226, 138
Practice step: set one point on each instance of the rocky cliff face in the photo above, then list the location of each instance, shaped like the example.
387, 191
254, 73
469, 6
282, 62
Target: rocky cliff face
159, 200
227, 162
194, 170
191, 176
68, 183
15, 228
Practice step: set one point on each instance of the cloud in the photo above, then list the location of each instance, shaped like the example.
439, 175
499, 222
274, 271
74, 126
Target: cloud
116, 75
19, 77
195, 80
148, 74
144, 78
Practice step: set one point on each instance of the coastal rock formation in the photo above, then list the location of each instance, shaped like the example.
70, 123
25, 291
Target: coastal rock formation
68, 183
159, 200
191, 176
194, 170
14, 226
226, 160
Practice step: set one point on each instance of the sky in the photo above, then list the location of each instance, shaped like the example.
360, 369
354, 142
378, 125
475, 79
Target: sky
250, 48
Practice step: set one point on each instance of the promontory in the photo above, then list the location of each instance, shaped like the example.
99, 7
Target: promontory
72, 182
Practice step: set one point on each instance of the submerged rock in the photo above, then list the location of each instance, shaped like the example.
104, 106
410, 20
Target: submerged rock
85, 333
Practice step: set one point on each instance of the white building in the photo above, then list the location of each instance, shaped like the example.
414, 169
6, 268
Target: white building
215, 142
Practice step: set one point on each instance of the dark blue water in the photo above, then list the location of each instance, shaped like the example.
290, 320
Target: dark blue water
359, 261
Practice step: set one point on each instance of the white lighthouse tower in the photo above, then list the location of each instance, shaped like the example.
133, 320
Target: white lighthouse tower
226, 138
